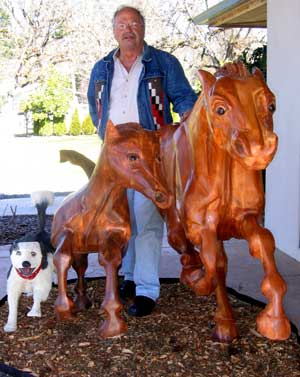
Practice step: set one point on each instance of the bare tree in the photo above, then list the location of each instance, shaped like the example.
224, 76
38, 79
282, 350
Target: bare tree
75, 34
38, 34
200, 46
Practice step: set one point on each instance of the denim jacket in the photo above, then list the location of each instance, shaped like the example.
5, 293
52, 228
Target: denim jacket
161, 70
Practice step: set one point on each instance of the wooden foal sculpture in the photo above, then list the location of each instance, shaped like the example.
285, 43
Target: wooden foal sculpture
213, 168
96, 218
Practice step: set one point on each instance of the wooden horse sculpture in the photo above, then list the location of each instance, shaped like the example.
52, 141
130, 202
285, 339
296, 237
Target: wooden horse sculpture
96, 218
213, 166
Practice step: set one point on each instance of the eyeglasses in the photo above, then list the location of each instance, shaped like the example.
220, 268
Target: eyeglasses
133, 25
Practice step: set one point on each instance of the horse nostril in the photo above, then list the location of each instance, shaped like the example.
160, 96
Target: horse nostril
159, 197
26, 264
239, 147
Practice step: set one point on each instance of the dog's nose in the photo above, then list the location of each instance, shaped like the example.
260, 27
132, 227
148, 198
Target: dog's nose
26, 264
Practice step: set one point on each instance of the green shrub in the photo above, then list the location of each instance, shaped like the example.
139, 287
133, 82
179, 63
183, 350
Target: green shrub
60, 128
257, 58
75, 128
37, 125
49, 102
87, 126
46, 129
42, 127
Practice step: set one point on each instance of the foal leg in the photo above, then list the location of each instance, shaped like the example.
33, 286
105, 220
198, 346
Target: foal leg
110, 259
64, 305
80, 264
272, 321
226, 329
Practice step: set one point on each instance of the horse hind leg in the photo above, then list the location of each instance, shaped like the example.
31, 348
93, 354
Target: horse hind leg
225, 329
64, 305
80, 264
272, 321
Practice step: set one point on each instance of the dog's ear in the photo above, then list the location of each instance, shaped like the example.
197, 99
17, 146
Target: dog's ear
44, 238
13, 247
9, 271
48, 246
44, 253
44, 261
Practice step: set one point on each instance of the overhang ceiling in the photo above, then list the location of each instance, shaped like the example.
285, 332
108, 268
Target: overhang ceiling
235, 13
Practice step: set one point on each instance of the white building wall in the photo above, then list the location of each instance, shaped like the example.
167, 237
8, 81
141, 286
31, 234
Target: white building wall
283, 175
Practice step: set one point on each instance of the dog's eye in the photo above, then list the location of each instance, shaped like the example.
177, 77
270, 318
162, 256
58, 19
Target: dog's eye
18, 252
33, 253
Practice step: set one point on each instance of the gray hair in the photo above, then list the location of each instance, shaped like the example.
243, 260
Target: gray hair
122, 7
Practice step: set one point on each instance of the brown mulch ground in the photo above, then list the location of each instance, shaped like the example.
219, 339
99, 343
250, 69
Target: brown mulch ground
174, 341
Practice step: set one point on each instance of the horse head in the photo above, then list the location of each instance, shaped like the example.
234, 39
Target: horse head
239, 110
133, 156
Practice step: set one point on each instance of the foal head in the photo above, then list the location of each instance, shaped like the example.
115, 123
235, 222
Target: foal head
133, 156
239, 110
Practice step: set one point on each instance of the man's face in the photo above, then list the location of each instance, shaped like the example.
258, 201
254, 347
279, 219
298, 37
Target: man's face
128, 30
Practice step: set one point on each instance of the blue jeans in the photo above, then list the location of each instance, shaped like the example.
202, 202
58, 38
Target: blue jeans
141, 260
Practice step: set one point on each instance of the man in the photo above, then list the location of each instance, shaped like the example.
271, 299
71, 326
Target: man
137, 83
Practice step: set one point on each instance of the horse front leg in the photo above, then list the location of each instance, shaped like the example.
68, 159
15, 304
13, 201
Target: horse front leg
272, 321
64, 306
80, 264
110, 259
192, 266
206, 239
190, 258
226, 329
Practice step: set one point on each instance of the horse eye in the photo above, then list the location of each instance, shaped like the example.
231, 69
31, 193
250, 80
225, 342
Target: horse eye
132, 157
157, 157
220, 110
272, 107
33, 253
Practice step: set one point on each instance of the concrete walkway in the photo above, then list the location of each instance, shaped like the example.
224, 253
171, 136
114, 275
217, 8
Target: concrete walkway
244, 272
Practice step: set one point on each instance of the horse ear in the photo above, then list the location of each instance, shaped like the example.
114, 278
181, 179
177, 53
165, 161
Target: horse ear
111, 132
258, 73
207, 80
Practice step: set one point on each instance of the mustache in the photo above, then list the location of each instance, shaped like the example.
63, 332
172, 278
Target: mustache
128, 34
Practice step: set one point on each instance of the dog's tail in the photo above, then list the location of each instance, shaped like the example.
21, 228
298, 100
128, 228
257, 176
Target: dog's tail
41, 200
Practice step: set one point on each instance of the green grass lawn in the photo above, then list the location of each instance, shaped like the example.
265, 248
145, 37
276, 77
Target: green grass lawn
32, 163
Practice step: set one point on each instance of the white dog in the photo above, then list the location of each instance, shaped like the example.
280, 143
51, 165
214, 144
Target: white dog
32, 266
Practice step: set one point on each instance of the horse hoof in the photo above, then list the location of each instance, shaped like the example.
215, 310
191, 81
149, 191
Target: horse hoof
82, 303
225, 332
204, 286
64, 315
275, 328
112, 329
65, 310
190, 276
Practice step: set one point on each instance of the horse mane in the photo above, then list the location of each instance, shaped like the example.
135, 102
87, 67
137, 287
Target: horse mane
130, 126
235, 70
127, 130
195, 114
